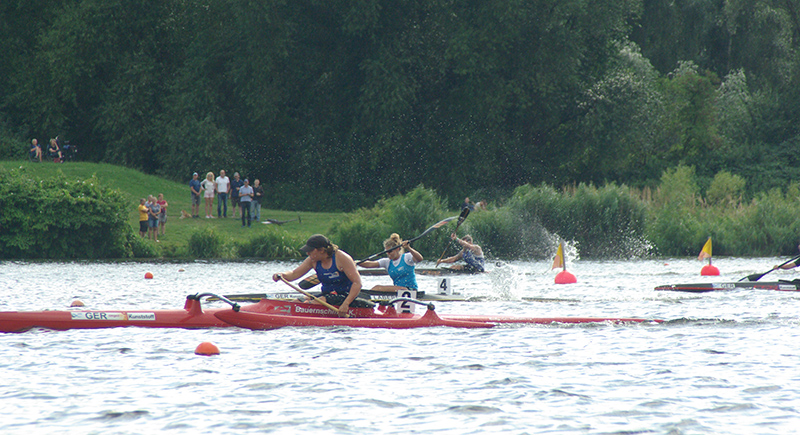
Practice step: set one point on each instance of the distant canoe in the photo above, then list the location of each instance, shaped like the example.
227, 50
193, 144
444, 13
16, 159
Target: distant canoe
374, 296
427, 272
784, 286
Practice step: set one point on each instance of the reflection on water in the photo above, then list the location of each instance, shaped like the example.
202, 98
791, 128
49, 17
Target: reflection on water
724, 362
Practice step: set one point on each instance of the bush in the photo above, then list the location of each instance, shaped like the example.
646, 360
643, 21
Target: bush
604, 222
362, 232
274, 245
680, 223
57, 218
725, 188
205, 243
141, 247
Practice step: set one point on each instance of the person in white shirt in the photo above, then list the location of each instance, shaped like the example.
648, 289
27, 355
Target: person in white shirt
223, 189
208, 186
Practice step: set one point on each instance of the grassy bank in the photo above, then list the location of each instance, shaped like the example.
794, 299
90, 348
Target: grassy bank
135, 185
676, 218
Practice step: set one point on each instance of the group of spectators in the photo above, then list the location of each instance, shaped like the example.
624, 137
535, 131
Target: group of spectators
242, 195
54, 150
153, 216
472, 206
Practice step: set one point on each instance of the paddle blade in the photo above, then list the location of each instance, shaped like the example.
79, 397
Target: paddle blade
754, 277
463, 215
309, 282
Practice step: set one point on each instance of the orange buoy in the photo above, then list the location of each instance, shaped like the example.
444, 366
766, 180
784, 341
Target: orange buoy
709, 270
565, 277
148, 275
206, 348
76, 303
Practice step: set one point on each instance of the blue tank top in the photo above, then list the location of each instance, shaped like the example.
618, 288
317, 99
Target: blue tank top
332, 279
473, 262
403, 274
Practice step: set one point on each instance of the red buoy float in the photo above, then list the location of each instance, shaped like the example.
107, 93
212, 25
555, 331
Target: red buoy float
148, 275
565, 277
206, 348
709, 270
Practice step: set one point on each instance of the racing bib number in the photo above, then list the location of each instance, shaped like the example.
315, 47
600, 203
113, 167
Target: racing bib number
405, 306
445, 287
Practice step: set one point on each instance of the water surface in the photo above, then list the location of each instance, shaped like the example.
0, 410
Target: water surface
723, 363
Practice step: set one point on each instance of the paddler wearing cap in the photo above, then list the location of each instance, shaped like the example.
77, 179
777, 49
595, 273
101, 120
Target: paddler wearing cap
335, 268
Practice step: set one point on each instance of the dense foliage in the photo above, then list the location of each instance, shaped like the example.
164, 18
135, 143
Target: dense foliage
335, 103
363, 232
275, 244
56, 218
595, 222
682, 219
606, 222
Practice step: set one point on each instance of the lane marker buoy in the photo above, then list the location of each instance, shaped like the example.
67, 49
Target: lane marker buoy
206, 348
148, 275
565, 277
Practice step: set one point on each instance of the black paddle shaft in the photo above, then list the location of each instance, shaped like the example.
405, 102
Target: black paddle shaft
757, 276
461, 218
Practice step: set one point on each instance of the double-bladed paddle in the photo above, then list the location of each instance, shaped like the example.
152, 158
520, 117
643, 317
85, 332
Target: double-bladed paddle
757, 276
312, 280
461, 218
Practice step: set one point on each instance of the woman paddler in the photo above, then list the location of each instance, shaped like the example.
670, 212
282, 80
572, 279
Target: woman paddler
399, 264
471, 253
335, 269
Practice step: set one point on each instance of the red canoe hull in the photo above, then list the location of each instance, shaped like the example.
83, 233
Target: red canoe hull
192, 316
253, 320
266, 314
271, 314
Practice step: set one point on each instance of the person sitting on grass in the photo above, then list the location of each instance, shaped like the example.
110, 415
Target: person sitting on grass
36, 151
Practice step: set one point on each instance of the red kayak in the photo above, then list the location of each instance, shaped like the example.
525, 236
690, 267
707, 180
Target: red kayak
266, 314
191, 316
273, 314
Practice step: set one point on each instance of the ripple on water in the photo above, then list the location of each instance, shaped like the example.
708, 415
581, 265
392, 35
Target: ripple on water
723, 362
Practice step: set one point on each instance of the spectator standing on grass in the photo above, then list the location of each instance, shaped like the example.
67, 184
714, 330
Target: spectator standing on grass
236, 184
223, 189
143, 212
258, 193
195, 187
209, 186
246, 198
152, 217
162, 215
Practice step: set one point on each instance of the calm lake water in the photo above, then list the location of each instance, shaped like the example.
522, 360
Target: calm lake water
723, 363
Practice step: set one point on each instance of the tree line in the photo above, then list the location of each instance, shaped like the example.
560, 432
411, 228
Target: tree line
335, 103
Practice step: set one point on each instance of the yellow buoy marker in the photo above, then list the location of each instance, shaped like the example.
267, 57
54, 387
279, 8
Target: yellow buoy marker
206, 348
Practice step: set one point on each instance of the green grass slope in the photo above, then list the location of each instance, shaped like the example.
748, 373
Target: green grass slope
136, 185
